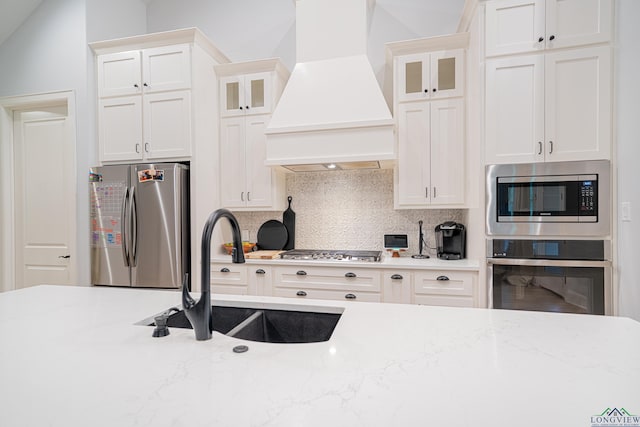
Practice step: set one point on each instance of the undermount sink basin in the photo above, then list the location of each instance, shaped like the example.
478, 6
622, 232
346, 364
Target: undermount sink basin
266, 325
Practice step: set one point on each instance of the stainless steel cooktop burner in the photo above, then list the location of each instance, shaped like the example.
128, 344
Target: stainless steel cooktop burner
332, 255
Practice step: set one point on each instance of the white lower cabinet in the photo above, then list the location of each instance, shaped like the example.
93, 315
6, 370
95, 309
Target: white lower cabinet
229, 278
453, 288
356, 284
448, 288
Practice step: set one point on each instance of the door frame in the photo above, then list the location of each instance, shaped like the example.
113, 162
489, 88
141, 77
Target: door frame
7, 170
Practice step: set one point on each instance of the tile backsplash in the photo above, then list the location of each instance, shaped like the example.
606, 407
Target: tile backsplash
350, 210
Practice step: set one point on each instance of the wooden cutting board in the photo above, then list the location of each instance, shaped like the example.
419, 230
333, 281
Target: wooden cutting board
262, 254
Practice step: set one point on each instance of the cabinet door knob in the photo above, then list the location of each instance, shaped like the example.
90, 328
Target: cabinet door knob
301, 273
350, 296
247, 107
434, 89
225, 270
241, 107
145, 85
260, 271
552, 38
350, 274
396, 277
301, 293
135, 85
541, 39
442, 278
426, 91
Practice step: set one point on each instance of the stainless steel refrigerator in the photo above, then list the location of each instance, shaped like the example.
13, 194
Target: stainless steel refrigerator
140, 225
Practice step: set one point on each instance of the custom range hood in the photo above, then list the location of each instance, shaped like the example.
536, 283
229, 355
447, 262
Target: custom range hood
332, 113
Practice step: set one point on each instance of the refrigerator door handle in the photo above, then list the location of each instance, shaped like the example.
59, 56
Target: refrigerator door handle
124, 226
133, 218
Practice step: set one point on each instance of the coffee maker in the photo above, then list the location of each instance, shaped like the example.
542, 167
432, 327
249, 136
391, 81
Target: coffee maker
451, 240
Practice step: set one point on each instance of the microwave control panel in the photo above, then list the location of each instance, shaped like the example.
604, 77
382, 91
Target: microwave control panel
588, 198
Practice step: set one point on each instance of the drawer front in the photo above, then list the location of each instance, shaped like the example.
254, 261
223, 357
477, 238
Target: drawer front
444, 300
457, 283
230, 289
306, 293
397, 286
338, 279
228, 274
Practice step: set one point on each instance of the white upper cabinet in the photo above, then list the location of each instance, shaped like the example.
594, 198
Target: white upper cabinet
430, 75
553, 107
144, 109
148, 70
246, 94
430, 154
521, 26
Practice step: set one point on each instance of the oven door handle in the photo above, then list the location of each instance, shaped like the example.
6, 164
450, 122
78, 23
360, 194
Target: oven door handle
547, 262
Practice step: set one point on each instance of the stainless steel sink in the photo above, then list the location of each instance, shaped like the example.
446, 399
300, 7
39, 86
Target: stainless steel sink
266, 325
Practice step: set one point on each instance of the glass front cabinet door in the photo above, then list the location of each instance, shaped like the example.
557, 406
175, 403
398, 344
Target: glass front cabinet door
246, 94
430, 75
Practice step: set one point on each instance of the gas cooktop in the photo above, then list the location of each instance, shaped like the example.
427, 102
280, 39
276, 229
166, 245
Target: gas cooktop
331, 255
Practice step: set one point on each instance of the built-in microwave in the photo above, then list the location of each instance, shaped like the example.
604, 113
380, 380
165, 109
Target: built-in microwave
549, 199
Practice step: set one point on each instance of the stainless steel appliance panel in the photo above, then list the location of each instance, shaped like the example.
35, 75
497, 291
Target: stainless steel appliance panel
552, 176
108, 195
568, 276
159, 218
140, 225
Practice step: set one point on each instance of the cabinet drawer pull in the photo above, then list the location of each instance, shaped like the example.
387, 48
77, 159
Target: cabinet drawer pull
225, 270
350, 274
301, 273
146, 147
550, 147
301, 293
396, 277
552, 38
539, 147
242, 196
442, 278
135, 85
138, 148
260, 271
350, 296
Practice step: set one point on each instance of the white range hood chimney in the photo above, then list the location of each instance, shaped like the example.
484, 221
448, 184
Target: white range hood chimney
332, 110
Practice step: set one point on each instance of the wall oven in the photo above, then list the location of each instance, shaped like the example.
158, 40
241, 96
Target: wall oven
549, 199
568, 276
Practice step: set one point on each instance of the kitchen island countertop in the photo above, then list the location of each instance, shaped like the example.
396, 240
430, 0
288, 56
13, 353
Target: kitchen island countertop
74, 356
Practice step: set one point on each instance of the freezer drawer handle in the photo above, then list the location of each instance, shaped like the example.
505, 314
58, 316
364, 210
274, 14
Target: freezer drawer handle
260, 271
442, 278
301, 273
396, 277
225, 270
350, 296
301, 293
350, 274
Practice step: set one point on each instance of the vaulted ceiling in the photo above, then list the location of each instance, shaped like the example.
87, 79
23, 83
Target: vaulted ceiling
13, 13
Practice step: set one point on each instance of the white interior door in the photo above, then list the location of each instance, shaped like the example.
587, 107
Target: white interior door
44, 194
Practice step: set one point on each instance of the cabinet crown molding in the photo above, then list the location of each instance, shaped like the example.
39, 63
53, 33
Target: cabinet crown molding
165, 38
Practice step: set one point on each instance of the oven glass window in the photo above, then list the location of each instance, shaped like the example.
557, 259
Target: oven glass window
547, 288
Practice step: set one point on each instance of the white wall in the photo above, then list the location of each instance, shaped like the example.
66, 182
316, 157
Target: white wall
49, 53
627, 125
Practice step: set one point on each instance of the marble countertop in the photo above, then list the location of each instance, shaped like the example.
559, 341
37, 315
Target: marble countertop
74, 356
387, 262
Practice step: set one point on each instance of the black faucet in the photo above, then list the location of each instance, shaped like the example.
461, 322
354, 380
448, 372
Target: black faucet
199, 313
